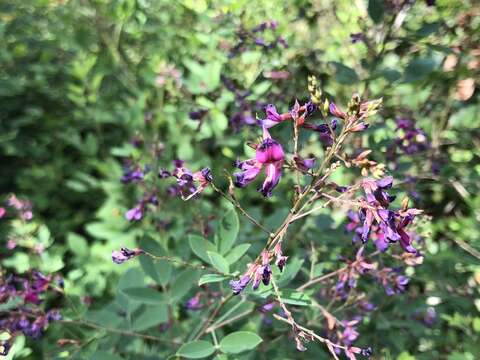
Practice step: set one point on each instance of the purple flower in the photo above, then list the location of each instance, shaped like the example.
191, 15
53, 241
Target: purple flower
164, 173
401, 283
375, 190
261, 27
31, 289
262, 273
269, 155
335, 111
239, 285
310, 107
132, 175
24, 207
360, 126
135, 213
405, 218
383, 225
257, 277
241, 118
250, 169
198, 114
410, 139
430, 317
280, 260
356, 37
350, 333
265, 308
260, 42
272, 177
269, 151
2, 212
125, 254
266, 271
304, 164
392, 281
365, 306
54, 315
273, 117
194, 303
188, 184
323, 130
4, 347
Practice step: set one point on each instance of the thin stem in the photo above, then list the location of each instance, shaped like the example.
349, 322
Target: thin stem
331, 199
229, 321
311, 333
237, 204
329, 275
321, 278
181, 262
301, 333
212, 316
117, 331
214, 337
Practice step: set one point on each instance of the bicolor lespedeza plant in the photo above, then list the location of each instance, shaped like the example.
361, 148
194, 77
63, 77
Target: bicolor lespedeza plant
339, 298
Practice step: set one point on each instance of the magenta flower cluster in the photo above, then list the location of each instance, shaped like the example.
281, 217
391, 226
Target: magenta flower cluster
375, 219
21, 208
25, 298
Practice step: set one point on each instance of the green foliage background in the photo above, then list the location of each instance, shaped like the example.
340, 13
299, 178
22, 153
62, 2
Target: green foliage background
77, 79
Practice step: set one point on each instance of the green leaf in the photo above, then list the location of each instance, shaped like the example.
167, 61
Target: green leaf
376, 9
77, 244
219, 262
145, 295
11, 303
293, 297
239, 341
419, 69
221, 357
229, 226
150, 316
133, 277
291, 270
200, 246
461, 356
476, 324
211, 278
183, 283
196, 349
44, 236
428, 29
344, 74
148, 266
405, 356
104, 355
159, 270
236, 253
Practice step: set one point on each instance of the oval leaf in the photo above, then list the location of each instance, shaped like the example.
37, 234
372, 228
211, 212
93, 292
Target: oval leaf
239, 341
229, 226
211, 278
219, 262
200, 246
236, 253
151, 316
183, 283
196, 349
145, 295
